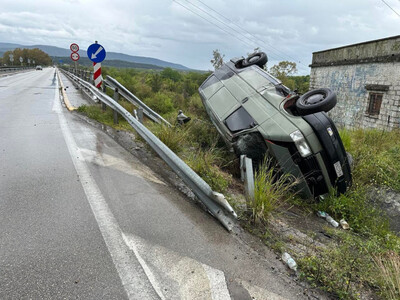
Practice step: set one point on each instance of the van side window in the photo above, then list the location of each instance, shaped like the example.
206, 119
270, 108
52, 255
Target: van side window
239, 120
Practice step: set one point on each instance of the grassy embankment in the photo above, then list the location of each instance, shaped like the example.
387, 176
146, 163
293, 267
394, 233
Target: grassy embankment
367, 256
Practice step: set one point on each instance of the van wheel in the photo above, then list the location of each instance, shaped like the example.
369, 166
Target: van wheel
315, 101
253, 146
257, 58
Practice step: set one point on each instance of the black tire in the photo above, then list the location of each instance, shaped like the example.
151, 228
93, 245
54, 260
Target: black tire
315, 101
257, 58
253, 146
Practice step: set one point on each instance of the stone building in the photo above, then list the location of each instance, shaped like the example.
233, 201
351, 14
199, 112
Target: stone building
366, 78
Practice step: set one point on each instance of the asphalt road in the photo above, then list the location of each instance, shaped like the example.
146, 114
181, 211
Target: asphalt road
82, 218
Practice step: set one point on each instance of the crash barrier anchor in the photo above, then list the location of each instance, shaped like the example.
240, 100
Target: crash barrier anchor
247, 176
215, 202
129, 96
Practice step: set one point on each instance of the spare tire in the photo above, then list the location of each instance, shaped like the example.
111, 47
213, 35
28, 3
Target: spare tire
316, 101
257, 58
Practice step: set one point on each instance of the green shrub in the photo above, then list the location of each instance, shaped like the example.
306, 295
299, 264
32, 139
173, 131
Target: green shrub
376, 156
161, 103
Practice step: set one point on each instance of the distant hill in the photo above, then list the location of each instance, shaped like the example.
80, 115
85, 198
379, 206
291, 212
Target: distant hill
61, 52
85, 61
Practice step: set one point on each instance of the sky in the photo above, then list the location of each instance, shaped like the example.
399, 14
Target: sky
187, 31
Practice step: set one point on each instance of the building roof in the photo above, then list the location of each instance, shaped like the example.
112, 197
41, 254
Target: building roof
377, 51
362, 43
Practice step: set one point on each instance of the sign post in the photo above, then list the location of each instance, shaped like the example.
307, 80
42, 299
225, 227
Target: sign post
21, 60
75, 55
96, 54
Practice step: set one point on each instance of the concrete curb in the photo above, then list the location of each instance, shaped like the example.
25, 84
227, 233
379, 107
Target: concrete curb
64, 94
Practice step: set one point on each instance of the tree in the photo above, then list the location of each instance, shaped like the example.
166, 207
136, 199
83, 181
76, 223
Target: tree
171, 74
218, 59
155, 82
40, 57
283, 70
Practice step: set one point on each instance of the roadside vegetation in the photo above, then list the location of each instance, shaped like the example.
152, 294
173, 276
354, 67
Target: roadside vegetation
40, 57
365, 258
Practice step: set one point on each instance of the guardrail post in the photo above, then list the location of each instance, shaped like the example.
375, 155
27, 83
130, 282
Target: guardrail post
103, 105
247, 176
116, 98
140, 114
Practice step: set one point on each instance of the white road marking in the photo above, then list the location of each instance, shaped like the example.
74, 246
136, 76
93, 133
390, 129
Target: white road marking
134, 280
181, 277
145, 267
219, 290
258, 293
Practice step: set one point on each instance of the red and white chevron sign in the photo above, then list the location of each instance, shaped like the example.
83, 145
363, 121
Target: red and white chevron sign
98, 79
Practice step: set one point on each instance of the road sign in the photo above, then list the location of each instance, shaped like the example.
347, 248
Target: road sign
11, 59
75, 56
33, 61
96, 53
74, 47
11, 56
29, 60
21, 59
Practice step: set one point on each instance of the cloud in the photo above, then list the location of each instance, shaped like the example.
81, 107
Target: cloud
286, 30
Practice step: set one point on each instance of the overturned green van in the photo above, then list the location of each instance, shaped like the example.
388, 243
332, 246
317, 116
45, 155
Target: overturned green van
258, 116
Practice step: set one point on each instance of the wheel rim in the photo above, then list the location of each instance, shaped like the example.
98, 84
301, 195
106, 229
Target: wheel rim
254, 58
314, 99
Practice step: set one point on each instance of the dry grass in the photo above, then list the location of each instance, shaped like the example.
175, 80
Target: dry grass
388, 265
271, 191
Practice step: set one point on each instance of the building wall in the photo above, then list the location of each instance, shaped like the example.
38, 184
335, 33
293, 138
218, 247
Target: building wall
349, 82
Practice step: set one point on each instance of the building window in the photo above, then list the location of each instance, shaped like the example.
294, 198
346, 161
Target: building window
374, 106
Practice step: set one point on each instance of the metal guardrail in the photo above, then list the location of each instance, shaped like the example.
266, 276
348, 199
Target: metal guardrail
11, 69
128, 95
215, 202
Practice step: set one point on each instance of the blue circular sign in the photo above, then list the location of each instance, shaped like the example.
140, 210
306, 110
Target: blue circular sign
96, 53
